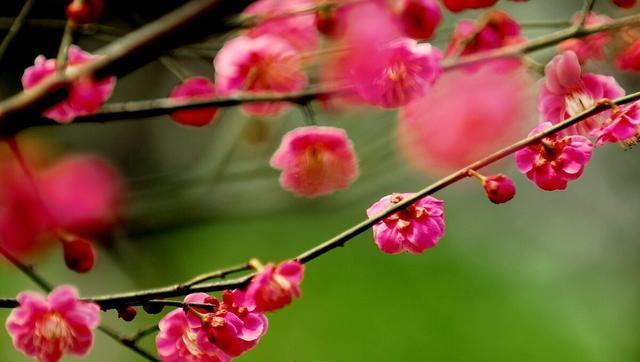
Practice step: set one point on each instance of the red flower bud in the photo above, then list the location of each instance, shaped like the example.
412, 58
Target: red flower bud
499, 188
127, 314
85, 11
627, 4
327, 21
79, 254
153, 308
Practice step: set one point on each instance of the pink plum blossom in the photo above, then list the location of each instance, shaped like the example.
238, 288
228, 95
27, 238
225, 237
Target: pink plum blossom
285, 19
178, 342
264, 64
629, 57
275, 286
418, 227
48, 328
495, 30
194, 88
396, 74
441, 131
554, 161
83, 194
622, 126
233, 327
566, 92
592, 46
315, 161
85, 95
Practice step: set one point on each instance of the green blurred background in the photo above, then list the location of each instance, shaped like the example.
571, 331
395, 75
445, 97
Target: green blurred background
550, 276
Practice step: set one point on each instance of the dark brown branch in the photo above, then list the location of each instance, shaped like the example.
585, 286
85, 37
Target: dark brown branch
128, 343
26, 270
190, 22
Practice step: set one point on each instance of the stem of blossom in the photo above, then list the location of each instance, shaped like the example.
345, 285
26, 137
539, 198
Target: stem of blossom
16, 25
584, 13
475, 174
222, 273
63, 51
26, 270
308, 114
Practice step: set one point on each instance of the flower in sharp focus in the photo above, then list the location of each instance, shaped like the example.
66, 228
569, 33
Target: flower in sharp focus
85, 95
194, 88
275, 286
178, 342
622, 127
396, 74
566, 92
48, 328
460, 5
417, 227
264, 64
315, 161
592, 46
555, 160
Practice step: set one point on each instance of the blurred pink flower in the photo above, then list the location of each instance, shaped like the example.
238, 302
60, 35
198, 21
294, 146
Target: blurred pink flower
567, 91
464, 116
395, 74
85, 95
82, 195
194, 88
554, 161
629, 57
315, 161
178, 342
274, 287
499, 188
414, 229
622, 126
459, 5
260, 65
494, 30
285, 19
48, 328
419, 18
627, 4
592, 46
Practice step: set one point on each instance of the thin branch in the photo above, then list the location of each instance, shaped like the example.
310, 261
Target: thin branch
143, 296
26, 270
137, 336
15, 27
584, 13
222, 273
47, 24
127, 343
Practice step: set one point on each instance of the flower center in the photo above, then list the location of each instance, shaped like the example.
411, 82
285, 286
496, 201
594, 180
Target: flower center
53, 327
189, 338
577, 102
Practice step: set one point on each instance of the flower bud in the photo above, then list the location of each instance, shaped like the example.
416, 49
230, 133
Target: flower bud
153, 308
79, 254
499, 188
327, 21
420, 18
627, 4
127, 314
85, 11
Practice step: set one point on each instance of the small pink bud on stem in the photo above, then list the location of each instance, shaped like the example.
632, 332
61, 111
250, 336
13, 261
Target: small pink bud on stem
499, 188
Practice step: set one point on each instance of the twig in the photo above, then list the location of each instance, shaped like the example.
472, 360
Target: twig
15, 27
47, 24
584, 13
127, 343
26, 270
222, 273
140, 297
135, 337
